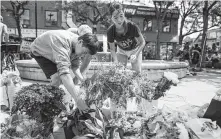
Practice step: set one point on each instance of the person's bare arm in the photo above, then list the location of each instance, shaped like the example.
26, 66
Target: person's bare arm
141, 43
113, 51
85, 63
5, 32
69, 85
62, 60
79, 71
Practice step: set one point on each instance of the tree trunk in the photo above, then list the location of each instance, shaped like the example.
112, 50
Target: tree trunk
157, 48
94, 28
181, 31
17, 20
205, 28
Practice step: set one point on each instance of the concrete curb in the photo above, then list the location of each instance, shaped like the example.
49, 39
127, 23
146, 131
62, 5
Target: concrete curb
218, 71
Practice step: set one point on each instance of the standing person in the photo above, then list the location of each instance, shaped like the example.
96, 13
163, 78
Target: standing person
53, 51
127, 36
215, 59
3, 36
3, 31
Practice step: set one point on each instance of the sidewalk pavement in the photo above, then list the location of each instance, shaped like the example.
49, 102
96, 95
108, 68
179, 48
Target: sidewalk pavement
192, 90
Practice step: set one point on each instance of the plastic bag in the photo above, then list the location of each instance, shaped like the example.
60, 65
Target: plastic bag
204, 128
213, 112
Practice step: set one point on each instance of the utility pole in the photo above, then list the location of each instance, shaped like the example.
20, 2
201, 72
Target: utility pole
36, 21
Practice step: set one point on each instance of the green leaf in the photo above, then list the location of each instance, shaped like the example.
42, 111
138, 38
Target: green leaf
60, 105
90, 125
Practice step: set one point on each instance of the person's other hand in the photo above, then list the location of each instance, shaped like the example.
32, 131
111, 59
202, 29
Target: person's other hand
87, 82
218, 92
133, 58
82, 105
115, 62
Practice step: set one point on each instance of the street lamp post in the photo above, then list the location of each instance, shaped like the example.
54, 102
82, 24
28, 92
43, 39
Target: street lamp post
36, 21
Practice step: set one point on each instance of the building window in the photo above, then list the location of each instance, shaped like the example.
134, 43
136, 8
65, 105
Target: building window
51, 18
25, 18
147, 24
166, 26
166, 51
149, 51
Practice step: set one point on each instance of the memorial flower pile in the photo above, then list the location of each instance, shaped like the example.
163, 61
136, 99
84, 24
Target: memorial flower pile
41, 103
118, 83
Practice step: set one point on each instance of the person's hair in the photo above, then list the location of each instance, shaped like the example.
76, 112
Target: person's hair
115, 6
83, 29
90, 41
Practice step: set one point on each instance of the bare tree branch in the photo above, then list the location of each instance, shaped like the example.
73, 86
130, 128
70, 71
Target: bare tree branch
155, 4
193, 7
186, 34
193, 23
181, 10
211, 6
183, 5
85, 17
98, 15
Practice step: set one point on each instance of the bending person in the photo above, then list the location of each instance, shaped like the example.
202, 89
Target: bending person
57, 52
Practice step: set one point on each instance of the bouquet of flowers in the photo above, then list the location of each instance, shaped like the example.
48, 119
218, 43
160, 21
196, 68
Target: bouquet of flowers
120, 83
10, 82
9, 77
22, 128
41, 103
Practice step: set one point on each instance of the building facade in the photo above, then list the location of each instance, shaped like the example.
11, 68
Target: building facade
48, 18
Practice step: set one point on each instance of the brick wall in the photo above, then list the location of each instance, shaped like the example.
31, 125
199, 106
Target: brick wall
42, 6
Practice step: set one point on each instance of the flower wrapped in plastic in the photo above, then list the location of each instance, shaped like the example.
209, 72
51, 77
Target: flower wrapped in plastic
21, 127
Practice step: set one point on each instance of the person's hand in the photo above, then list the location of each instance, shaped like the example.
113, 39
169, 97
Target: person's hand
81, 105
76, 80
115, 62
133, 58
61, 119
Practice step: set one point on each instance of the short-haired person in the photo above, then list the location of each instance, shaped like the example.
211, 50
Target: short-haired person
127, 36
53, 51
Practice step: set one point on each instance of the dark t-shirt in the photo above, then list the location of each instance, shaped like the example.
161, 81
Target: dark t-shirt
126, 41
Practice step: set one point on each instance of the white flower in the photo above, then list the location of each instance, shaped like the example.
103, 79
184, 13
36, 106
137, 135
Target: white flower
171, 77
137, 124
